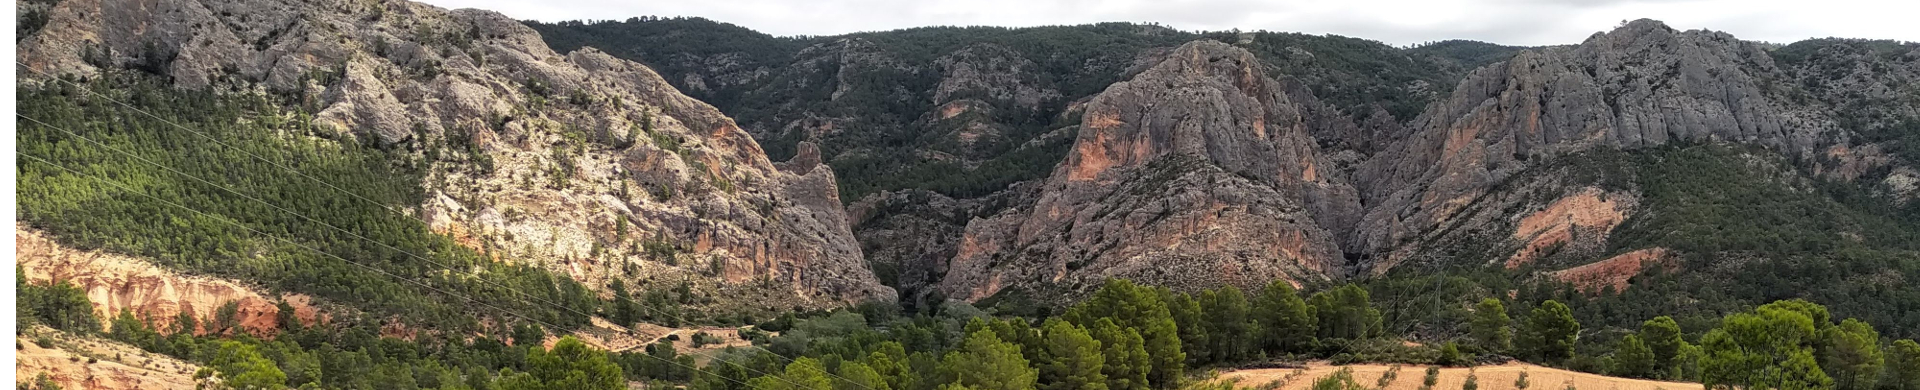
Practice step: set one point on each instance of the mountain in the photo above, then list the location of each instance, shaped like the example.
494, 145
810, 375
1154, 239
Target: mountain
1197, 171
1641, 85
930, 127
495, 149
1325, 158
353, 194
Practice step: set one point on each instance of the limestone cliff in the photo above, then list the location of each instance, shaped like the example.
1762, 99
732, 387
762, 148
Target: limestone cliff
588, 165
1198, 171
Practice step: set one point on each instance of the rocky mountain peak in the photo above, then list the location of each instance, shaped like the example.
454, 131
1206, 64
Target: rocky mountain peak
1643, 84
1197, 171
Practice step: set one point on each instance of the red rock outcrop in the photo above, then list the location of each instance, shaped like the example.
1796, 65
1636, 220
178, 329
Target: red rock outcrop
1589, 210
1615, 271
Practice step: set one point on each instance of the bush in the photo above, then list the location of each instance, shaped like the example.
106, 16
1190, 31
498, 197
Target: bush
1339, 380
1432, 378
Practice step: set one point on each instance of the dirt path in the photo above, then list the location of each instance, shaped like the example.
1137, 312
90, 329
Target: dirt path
1500, 377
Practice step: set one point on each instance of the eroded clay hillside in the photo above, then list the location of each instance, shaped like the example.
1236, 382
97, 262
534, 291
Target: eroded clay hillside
119, 284
581, 163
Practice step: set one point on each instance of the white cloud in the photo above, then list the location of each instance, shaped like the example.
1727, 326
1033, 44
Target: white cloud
1399, 22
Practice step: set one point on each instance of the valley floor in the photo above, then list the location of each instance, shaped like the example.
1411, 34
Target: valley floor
1501, 377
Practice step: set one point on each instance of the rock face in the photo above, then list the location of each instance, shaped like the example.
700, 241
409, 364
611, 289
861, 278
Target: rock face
1198, 171
588, 165
1873, 88
1589, 212
1641, 85
118, 283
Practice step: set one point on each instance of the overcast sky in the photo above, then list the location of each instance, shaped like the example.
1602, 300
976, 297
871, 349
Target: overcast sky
1398, 22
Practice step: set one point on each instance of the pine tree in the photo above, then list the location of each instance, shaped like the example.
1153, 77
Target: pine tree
1770, 347
1450, 354
1283, 321
240, 366
1550, 332
858, 376
1491, 327
1127, 363
984, 362
625, 312
1850, 353
1192, 326
1662, 336
1346, 312
1227, 328
572, 364
1139, 308
1632, 358
1903, 365
1074, 358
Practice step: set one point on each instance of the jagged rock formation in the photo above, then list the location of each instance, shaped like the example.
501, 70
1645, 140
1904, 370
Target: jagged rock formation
1471, 179
1197, 171
1641, 85
588, 165
963, 113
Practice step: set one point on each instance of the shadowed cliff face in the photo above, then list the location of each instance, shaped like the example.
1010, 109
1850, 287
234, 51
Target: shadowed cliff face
1195, 172
569, 162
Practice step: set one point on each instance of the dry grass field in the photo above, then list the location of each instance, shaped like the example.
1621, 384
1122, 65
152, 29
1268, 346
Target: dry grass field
1501, 377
